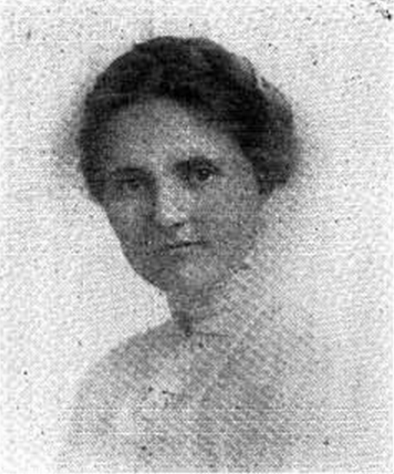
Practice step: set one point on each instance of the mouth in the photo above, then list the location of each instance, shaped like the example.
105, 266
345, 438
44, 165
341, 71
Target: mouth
179, 247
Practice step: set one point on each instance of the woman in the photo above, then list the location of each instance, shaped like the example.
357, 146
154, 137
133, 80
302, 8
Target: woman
182, 145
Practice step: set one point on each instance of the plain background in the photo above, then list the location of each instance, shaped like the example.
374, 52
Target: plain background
67, 295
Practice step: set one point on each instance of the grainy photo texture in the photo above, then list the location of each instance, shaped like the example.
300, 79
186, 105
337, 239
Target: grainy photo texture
199, 252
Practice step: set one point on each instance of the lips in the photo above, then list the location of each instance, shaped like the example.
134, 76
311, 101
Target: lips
174, 247
180, 245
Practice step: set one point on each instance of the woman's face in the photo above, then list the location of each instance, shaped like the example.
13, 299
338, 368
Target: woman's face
179, 194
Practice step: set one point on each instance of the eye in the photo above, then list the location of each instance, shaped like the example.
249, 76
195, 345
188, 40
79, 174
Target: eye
198, 171
201, 174
130, 181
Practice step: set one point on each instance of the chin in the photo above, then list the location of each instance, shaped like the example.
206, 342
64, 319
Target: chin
188, 279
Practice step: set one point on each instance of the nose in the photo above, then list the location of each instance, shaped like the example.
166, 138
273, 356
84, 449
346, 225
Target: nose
172, 204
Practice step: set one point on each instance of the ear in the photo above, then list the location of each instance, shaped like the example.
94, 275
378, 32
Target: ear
266, 186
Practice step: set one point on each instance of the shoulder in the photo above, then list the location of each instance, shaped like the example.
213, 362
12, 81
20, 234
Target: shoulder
116, 376
102, 392
122, 369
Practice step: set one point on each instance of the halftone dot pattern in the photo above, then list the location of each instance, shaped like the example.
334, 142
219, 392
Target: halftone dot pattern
309, 387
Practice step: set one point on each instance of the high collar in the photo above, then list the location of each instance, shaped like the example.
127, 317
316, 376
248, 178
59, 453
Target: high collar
240, 308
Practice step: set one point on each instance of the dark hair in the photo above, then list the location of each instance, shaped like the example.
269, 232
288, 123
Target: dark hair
201, 74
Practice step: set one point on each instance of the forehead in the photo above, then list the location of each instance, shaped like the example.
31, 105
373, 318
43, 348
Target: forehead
162, 131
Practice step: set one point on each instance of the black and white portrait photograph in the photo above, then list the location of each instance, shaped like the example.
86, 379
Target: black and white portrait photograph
196, 236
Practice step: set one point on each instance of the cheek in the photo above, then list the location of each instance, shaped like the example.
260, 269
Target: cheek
231, 222
232, 206
127, 223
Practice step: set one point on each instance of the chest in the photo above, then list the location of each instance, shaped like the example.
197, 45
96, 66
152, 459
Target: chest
201, 412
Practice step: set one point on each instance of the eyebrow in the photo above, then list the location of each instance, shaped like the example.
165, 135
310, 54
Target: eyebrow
180, 166
125, 171
196, 160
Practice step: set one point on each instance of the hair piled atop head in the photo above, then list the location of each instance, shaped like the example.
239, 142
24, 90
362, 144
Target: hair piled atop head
200, 74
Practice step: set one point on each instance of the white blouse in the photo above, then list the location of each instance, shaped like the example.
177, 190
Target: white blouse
233, 395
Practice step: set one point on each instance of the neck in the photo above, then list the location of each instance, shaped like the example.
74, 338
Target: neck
190, 309
233, 296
